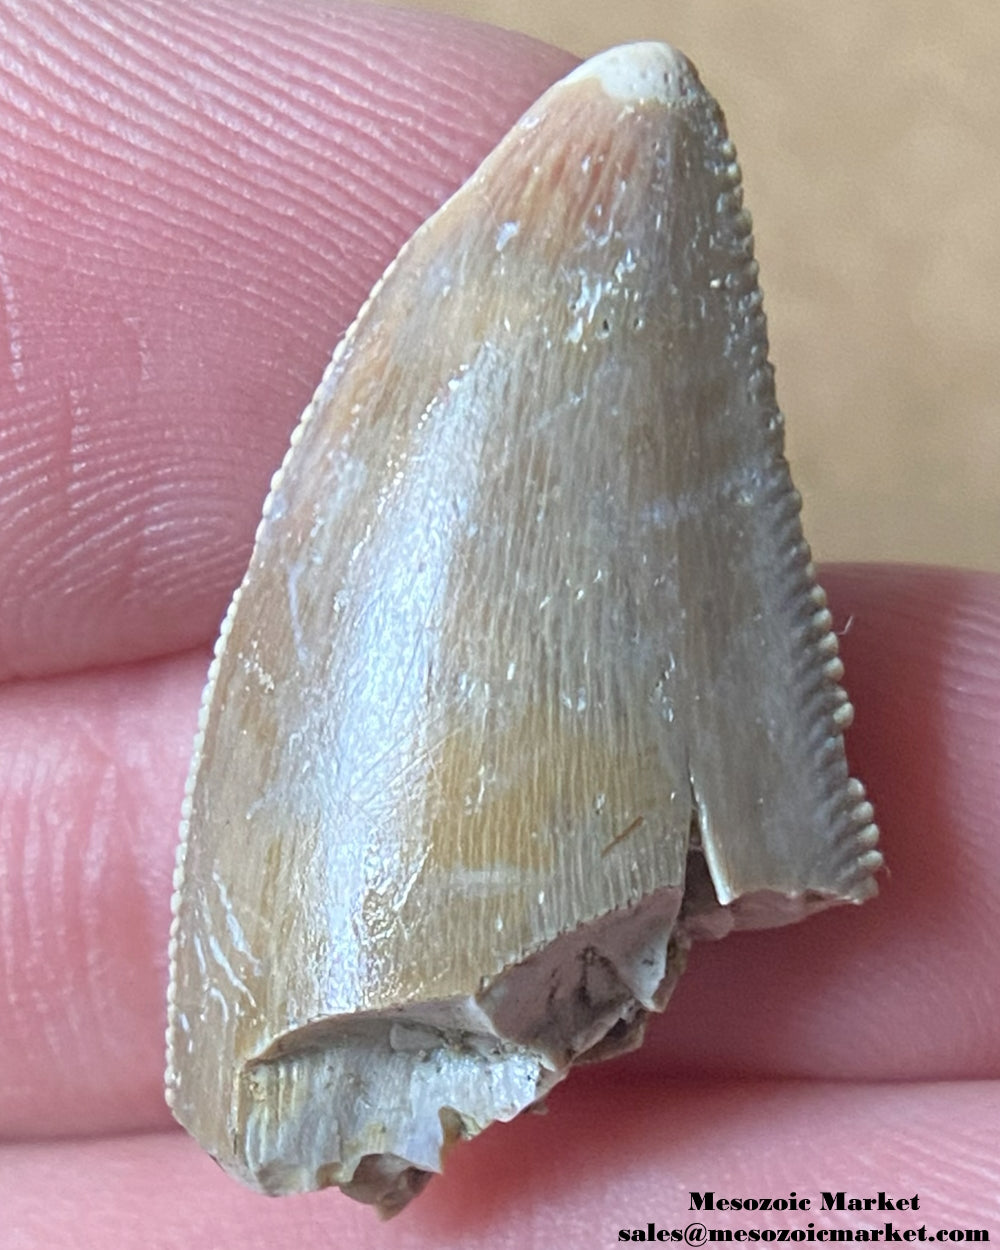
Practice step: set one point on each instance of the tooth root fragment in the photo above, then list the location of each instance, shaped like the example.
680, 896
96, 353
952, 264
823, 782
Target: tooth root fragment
528, 683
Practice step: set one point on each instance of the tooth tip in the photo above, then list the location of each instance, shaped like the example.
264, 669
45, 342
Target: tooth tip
637, 72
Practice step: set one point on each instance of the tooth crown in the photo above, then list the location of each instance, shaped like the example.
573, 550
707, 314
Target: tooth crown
529, 682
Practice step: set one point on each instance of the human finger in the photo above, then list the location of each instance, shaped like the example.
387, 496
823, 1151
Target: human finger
197, 199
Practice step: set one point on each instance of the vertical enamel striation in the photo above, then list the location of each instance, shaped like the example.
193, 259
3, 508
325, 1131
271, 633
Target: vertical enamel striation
529, 682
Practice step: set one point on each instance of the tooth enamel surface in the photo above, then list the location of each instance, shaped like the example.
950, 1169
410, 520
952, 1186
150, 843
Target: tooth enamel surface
529, 683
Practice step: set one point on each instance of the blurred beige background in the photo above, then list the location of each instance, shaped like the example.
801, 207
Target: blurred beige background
869, 135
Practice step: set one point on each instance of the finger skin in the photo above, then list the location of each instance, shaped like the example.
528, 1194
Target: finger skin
92, 772
604, 1158
197, 199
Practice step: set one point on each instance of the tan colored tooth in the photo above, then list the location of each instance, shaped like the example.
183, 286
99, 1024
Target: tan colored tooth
528, 683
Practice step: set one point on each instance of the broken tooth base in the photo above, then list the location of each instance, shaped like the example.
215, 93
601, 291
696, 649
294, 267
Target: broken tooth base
375, 1111
384, 1181
371, 1103
591, 985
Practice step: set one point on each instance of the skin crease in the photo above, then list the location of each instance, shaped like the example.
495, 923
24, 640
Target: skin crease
197, 199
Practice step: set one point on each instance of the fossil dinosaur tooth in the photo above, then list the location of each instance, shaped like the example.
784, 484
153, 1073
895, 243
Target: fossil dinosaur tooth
529, 683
